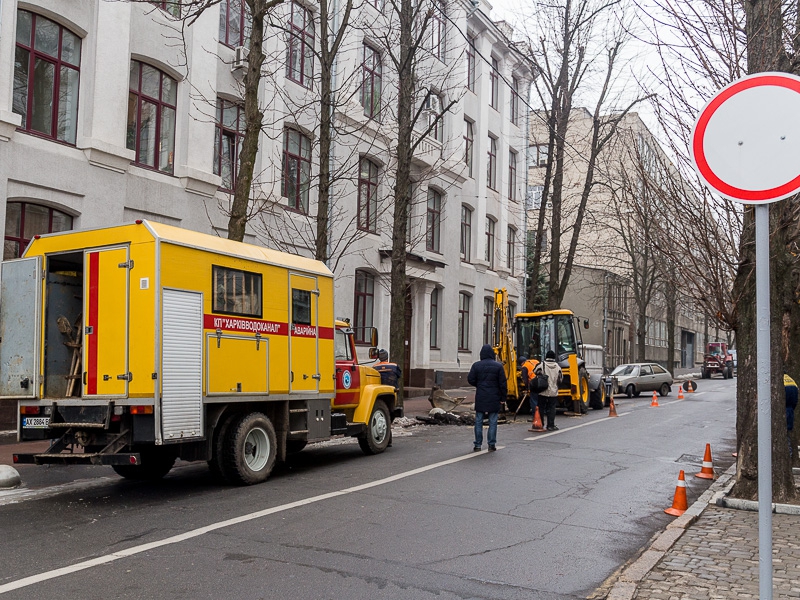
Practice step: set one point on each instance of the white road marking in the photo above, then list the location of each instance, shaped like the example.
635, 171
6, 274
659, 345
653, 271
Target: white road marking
101, 560
566, 429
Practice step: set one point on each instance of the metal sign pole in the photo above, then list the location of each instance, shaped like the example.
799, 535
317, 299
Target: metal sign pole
764, 368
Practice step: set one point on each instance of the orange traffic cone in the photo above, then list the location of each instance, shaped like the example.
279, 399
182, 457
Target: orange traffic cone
537, 421
612, 410
679, 502
707, 472
655, 399
680, 393
690, 387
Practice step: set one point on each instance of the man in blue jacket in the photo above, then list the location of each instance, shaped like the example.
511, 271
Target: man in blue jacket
491, 389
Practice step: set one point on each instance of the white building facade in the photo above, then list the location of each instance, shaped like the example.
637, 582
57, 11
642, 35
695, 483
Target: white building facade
112, 111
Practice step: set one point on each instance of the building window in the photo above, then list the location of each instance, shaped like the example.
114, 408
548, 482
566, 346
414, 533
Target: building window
151, 117
489, 256
488, 317
491, 165
514, 101
433, 110
469, 138
466, 233
434, 220
364, 304
463, 321
494, 77
435, 318
236, 292
512, 175
47, 64
172, 7
371, 84
300, 49
437, 30
540, 155
511, 243
368, 196
296, 169
471, 64
23, 221
535, 197
228, 141
235, 23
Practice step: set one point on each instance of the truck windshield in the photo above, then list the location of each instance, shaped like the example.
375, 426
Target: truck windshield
537, 335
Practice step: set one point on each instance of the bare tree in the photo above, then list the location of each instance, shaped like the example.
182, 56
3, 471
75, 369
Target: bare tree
564, 58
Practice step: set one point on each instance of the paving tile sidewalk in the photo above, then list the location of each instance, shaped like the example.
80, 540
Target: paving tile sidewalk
711, 553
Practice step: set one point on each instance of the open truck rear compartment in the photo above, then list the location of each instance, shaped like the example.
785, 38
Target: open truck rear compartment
138, 344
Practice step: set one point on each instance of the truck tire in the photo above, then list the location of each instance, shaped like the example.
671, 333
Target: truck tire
597, 398
724, 373
217, 450
155, 464
249, 449
376, 438
704, 373
583, 390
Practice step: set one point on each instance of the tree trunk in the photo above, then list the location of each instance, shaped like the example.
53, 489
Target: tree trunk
253, 117
325, 122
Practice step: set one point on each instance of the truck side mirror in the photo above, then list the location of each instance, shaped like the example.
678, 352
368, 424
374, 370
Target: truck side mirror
373, 352
374, 339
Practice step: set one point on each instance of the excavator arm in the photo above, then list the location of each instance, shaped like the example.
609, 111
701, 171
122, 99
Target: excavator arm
503, 342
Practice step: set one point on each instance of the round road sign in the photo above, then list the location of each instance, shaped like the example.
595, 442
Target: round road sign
689, 384
746, 140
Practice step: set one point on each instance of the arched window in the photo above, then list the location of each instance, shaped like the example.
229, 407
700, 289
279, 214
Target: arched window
24, 220
152, 98
47, 64
371, 84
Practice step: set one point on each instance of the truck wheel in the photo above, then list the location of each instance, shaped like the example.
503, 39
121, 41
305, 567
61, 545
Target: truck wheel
664, 389
583, 390
376, 438
155, 464
597, 398
704, 373
724, 373
630, 391
249, 449
217, 450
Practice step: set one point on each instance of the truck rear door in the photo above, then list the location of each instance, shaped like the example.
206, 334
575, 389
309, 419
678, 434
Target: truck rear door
20, 327
105, 335
303, 333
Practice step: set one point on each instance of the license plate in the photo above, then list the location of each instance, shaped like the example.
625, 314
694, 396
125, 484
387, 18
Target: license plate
36, 422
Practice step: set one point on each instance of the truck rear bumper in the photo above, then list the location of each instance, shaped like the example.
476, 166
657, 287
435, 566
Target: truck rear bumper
89, 458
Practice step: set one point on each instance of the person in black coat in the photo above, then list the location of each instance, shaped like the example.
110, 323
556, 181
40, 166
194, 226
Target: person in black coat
491, 389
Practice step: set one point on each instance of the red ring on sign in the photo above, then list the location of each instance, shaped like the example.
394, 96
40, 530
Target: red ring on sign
703, 167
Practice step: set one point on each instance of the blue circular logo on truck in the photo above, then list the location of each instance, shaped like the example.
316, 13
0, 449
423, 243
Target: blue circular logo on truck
346, 380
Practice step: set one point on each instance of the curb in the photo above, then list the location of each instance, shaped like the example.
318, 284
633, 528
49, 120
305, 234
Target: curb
625, 586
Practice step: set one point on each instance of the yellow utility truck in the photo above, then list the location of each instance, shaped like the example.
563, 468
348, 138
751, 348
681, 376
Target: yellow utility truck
135, 345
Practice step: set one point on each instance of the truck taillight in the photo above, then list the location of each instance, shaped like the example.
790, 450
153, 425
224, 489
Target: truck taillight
29, 410
142, 410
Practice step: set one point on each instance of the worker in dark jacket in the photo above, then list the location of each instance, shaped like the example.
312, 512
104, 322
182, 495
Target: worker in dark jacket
491, 389
390, 372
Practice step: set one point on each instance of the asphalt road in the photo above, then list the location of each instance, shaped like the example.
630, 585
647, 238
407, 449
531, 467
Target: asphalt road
546, 516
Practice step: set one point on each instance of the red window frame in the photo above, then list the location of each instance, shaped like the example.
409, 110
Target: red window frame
20, 239
301, 39
300, 200
469, 139
512, 175
59, 64
463, 320
515, 101
368, 196
434, 320
230, 134
161, 105
471, 64
228, 37
494, 77
511, 242
489, 255
488, 319
437, 29
372, 82
491, 166
363, 306
434, 221
466, 233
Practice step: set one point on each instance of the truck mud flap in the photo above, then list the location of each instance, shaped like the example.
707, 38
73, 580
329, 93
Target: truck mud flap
94, 458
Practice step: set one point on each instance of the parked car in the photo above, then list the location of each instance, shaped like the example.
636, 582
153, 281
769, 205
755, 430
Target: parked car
634, 378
